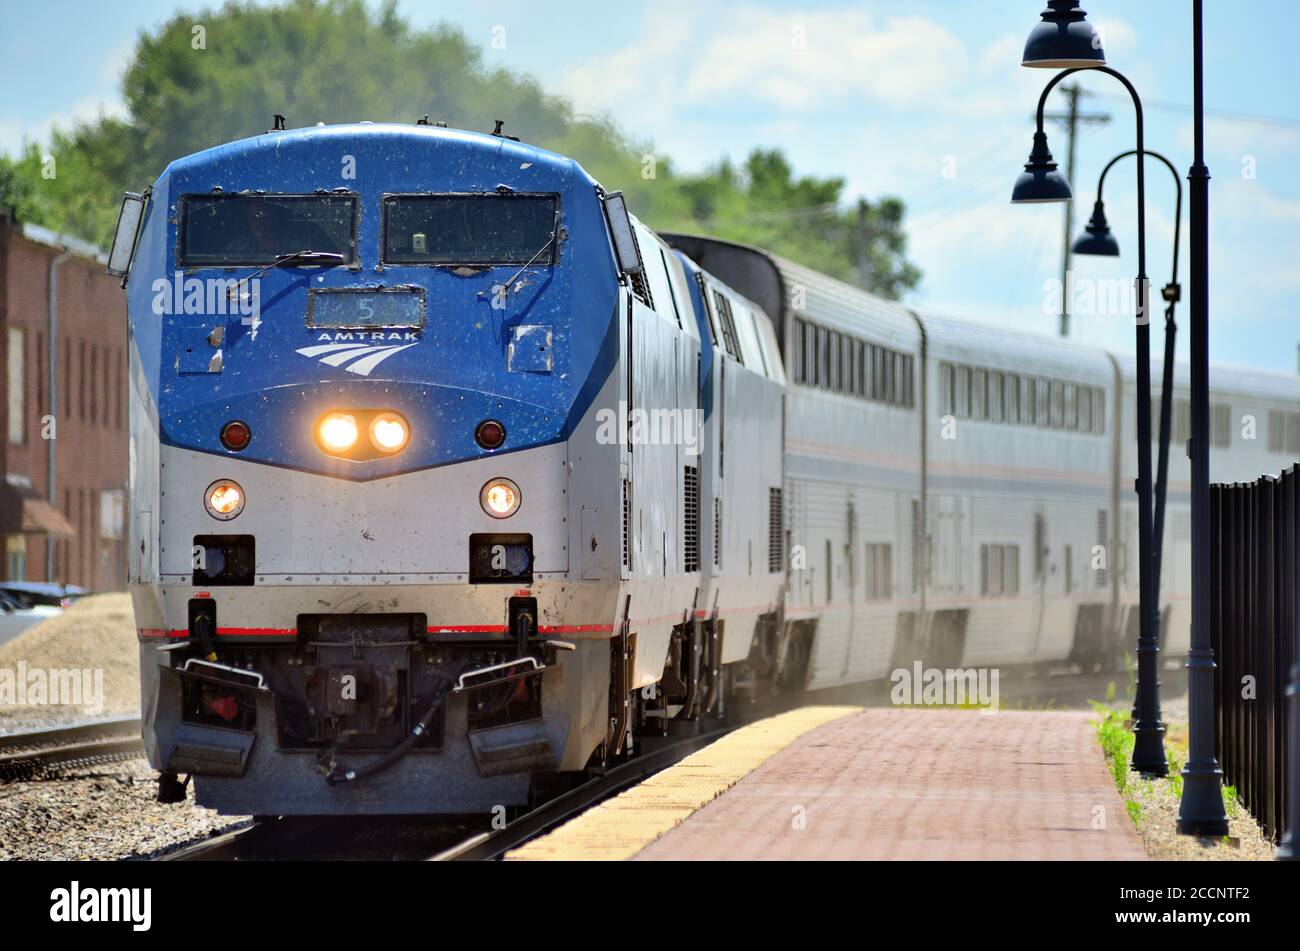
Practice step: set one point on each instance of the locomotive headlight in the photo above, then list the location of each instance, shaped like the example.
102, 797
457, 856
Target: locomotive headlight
389, 432
500, 498
224, 499
337, 432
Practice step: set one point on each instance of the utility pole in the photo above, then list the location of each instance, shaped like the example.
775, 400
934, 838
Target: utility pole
1071, 120
864, 246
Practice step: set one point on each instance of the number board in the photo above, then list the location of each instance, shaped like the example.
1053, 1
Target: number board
358, 308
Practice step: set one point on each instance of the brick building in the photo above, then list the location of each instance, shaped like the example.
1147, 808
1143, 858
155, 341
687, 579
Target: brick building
71, 529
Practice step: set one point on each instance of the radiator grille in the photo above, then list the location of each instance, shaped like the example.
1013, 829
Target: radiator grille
775, 531
717, 532
691, 518
627, 523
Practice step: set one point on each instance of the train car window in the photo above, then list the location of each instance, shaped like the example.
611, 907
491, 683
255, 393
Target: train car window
727, 326
1099, 411
995, 396
1058, 404
1011, 570
947, 384
1028, 400
979, 395
235, 230
1011, 409
1043, 397
963, 392
1085, 409
478, 229
1221, 433
1182, 422
1283, 431
1071, 406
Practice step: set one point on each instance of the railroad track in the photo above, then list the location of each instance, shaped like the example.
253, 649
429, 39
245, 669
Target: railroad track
441, 840
45, 753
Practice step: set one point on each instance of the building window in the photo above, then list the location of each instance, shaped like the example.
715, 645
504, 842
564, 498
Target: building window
16, 397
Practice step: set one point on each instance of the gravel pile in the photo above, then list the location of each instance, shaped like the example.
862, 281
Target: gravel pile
107, 812
96, 633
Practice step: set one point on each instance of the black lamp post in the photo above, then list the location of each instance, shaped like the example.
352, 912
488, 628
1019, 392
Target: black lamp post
1201, 811
1064, 38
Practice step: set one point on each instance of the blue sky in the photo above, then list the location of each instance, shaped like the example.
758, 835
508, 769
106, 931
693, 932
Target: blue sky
919, 98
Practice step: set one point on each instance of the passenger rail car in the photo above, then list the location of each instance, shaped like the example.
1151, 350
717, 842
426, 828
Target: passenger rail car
962, 494
449, 477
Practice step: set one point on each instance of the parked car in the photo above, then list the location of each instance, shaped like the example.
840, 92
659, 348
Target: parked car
34, 593
17, 616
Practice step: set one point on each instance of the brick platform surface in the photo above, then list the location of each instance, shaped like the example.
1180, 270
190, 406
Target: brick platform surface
920, 784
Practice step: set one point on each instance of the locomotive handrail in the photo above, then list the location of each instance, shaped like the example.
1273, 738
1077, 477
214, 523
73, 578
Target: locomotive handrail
505, 665
261, 681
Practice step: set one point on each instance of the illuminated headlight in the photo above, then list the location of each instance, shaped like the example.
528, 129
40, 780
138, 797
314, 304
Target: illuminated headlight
224, 499
500, 498
389, 432
337, 432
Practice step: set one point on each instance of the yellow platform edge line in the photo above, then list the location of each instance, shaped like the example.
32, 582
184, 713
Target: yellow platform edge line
619, 828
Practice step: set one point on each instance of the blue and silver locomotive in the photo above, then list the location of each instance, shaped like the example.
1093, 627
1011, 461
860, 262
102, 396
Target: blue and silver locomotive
419, 469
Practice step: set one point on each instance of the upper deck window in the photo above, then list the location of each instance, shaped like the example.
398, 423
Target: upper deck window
475, 229
232, 230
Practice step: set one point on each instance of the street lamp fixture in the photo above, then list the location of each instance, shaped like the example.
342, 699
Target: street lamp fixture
1040, 182
1064, 39
1097, 239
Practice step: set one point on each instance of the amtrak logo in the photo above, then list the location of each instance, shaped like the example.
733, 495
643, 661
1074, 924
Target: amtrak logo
358, 356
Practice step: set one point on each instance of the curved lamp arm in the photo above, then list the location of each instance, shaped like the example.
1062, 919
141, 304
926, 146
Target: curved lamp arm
1178, 207
1141, 147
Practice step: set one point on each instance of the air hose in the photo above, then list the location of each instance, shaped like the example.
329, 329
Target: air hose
339, 773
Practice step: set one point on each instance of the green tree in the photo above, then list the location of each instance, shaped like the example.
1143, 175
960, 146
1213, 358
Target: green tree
202, 79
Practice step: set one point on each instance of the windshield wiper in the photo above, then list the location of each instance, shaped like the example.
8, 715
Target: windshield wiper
538, 254
305, 257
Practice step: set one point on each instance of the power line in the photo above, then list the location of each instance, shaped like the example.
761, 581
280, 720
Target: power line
1258, 119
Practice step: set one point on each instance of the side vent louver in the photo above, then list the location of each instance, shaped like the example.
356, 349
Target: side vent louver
627, 523
691, 519
775, 534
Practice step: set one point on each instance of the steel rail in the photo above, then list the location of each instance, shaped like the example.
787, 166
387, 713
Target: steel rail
30, 753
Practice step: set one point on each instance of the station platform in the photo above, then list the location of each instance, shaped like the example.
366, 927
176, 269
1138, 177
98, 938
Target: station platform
850, 783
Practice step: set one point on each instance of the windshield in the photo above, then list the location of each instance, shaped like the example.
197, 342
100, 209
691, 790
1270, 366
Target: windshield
469, 229
254, 229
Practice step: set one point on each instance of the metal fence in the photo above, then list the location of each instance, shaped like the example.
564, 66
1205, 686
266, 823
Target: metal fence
1256, 531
